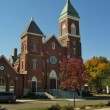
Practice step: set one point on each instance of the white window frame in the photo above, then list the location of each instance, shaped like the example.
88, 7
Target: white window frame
34, 47
63, 29
73, 29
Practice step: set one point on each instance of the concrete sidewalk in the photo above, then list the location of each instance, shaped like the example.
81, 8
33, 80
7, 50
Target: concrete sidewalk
103, 109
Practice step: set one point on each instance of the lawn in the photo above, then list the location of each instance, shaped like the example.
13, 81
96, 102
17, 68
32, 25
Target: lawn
91, 107
99, 104
33, 109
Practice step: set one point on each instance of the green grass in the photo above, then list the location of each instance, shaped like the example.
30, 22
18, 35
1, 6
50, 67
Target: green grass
101, 105
33, 109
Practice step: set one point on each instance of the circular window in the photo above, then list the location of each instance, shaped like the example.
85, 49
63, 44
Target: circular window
74, 42
53, 60
1, 67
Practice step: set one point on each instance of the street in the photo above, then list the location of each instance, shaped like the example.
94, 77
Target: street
20, 104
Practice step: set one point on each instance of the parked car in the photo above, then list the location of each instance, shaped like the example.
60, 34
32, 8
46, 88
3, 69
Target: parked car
7, 97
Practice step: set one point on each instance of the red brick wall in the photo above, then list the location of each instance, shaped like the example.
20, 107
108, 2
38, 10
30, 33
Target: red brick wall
28, 58
43, 54
69, 39
68, 23
48, 52
9, 75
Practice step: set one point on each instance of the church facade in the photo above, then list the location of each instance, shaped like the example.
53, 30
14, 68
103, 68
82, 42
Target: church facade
37, 67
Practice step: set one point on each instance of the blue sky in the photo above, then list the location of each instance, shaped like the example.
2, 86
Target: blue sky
94, 23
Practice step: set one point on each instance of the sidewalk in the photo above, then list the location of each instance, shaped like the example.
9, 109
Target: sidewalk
103, 109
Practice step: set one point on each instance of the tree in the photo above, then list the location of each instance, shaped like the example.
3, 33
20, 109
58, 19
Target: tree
73, 74
106, 79
99, 69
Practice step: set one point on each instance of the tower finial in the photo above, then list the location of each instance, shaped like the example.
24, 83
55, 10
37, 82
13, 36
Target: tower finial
67, 1
32, 19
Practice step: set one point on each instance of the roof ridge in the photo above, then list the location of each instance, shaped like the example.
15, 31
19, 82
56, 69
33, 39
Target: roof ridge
48, 38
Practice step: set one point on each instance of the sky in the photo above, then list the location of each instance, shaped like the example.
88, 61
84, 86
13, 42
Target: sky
94, 23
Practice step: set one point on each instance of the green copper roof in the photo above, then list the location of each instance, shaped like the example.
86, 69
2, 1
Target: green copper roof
69, 10
32, 28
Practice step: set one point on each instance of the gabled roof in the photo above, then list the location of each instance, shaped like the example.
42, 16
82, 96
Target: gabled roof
32, 28
8, 62
47, 39
69, 10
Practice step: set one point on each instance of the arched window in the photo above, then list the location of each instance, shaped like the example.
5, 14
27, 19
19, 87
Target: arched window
2, 84
53, 45
34, 64
73, 29
63, 29
34, 47
11, 86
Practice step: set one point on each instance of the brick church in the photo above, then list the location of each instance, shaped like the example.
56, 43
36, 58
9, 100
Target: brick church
37, 66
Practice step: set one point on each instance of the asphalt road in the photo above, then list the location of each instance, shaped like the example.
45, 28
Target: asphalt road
20, 104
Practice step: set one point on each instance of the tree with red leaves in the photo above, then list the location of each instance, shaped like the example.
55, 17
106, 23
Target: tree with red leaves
73, 74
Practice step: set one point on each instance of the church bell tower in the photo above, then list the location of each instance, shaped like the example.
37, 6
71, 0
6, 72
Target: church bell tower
69, 30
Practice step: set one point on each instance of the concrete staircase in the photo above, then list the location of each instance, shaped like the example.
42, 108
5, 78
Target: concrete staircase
59, 93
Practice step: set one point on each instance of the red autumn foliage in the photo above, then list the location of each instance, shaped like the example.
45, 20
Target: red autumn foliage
73, 74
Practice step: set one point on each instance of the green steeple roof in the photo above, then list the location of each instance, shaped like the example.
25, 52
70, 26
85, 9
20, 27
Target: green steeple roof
32, 28
69, 10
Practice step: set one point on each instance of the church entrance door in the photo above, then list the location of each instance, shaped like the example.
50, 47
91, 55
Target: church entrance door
53, 80
34, 84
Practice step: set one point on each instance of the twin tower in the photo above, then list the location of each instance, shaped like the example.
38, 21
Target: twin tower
40, 57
